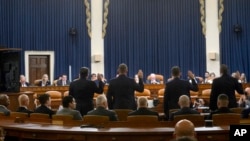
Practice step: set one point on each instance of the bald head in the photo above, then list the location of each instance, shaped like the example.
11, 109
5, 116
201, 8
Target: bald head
101, 100
23, 100
142, 102
184, 127
184, 101
4, 100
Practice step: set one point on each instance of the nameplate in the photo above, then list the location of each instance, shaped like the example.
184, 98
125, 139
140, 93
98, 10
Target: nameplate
239, 132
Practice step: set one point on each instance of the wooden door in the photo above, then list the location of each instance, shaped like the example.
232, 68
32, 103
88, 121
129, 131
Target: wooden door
38, 65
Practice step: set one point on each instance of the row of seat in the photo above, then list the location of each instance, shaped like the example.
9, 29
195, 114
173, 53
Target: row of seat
198, 120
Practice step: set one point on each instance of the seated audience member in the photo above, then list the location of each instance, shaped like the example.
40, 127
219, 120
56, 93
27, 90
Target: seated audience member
198, 102
4, 103
45, 102
222, 104
93, 77
142, 109
101, 109
24, 101
23, 82
69, 105
45, 81
184, 103
245, 102
206, 77
152, 79
63, 81
243, 78
211, 78
184, 128
103, 79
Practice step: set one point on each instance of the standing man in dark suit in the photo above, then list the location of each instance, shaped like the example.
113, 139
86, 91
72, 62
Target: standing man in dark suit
143, 108
83, 91
226, 85
175, 88
121, 90
63, 81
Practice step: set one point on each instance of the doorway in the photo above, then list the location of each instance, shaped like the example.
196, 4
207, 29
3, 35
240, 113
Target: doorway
38, 63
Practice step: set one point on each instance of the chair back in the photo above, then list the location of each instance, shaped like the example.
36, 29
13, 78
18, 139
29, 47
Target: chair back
96, 120
161, 93
66, 93
198, 120
61, 119
146, 93
40, 117
122, 114
56, 98
237, 110
142, 118
226, 119
14, 115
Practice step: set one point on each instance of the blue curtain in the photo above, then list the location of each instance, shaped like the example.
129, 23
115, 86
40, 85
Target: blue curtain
154, 35
43, 25
235, 46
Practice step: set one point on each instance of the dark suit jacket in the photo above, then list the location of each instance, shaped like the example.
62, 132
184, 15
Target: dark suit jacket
121, 92
183, 111
26, 83
44, 110
104, 112
143, 111
245, 113
220, 111
24, 110
47, 83
59, 83
173, 90
83, 91
225, 85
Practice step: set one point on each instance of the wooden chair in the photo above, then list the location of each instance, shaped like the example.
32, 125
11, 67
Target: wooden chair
226, 119
158, 77
40, 118
237, 110
95, 120
142, 119
61, 119
145, 93
66, 93
56, 98
14, 115
161, 93
122, 114
198, 120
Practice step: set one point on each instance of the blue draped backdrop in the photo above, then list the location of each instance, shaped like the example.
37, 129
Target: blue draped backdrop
235, 46
154, 35
43, 25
